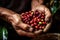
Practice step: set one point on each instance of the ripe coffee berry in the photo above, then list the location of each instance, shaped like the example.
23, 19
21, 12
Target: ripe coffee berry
34, 19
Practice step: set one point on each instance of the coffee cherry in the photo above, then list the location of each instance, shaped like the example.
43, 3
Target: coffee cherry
28, 16
28, 22
35, 19
36, 13
44, 22
39, 15
43, 14
30, 12
25, 18
26, 13
28, 19
42, 27
40, 22
42, 17
22, 16
33, 16
35, 23
31, 22
32, 25
36, 27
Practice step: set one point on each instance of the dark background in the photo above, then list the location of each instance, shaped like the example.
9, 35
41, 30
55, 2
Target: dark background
20, 6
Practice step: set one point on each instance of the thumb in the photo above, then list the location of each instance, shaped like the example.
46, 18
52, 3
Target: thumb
47, 18
29, 28
26, 27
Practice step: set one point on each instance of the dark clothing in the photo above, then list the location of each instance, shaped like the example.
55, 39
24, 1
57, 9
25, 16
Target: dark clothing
18, 6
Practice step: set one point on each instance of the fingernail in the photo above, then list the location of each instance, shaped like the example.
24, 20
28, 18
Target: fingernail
31, 29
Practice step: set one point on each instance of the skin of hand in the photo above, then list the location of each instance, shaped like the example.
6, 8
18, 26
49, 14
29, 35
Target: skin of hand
43, 8
38, 5
14, 19
18, 25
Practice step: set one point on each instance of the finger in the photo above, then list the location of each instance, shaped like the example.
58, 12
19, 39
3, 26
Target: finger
47, 26
30, 29
47, 18
38, 31
22, 26
25, 27
23, 33
47, 14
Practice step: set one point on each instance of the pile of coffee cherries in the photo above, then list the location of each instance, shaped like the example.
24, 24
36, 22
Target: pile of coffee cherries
34, 19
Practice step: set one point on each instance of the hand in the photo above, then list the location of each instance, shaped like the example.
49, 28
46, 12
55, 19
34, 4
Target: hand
44, 9
35, 32
15, 20
25, 33
21, 28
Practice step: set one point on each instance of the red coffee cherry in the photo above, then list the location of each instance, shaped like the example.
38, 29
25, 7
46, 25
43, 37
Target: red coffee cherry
38, 20
35, 19
42, 27
31, 22
42, 17
44, 22
36, 27
32, 25
35, 23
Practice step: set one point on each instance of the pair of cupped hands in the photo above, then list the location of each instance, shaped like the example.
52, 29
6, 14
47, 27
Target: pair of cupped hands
26, 30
